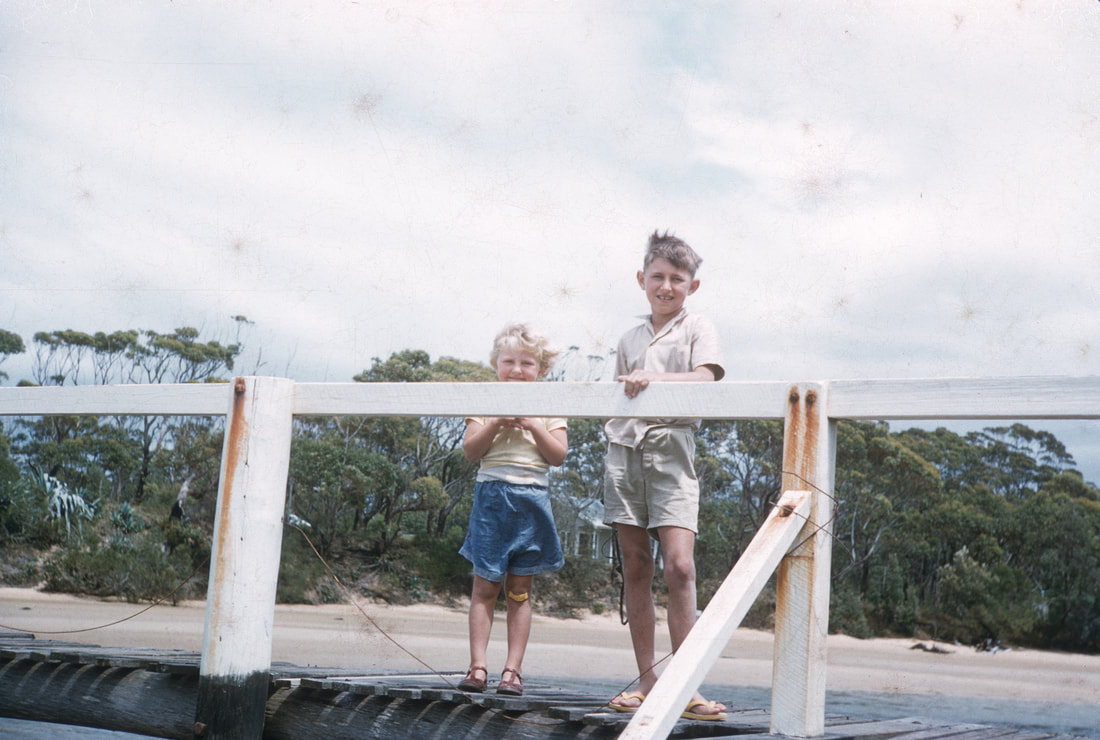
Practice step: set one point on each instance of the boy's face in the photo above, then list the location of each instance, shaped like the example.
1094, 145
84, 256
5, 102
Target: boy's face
666, 287
517, 365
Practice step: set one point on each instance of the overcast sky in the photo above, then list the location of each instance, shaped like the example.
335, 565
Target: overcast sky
877, 189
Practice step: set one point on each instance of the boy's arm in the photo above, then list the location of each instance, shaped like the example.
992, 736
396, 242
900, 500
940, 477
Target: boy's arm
638, 380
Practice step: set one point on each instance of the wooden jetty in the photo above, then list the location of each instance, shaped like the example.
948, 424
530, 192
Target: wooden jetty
154, 692
233, 691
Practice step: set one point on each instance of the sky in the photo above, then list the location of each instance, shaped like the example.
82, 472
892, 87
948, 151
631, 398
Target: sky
878, 190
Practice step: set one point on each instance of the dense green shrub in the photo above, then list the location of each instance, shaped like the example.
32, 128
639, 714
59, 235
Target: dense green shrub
134, 569
439, 565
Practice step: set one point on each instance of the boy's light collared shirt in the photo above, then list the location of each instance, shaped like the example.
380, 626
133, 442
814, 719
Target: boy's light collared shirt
684, 344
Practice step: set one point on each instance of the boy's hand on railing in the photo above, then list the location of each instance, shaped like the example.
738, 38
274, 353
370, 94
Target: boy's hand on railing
637, 381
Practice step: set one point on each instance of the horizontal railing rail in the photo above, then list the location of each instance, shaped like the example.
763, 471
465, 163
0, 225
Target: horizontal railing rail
1048, 397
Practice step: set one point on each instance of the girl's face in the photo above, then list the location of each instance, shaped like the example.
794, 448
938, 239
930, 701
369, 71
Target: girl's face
517, 365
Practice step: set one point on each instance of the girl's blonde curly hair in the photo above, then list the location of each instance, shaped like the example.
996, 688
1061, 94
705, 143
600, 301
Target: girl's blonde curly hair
521, 336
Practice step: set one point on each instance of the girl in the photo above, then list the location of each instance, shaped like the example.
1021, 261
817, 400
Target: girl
511, 535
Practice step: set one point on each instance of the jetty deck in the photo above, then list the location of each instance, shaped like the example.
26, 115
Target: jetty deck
153, 692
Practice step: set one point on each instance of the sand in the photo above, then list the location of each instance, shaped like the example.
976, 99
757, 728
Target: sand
595, 647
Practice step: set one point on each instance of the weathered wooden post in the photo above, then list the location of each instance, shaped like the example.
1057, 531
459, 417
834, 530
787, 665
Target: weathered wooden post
240, 603
802, 586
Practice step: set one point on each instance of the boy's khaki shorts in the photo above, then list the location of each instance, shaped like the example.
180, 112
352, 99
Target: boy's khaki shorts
653, 485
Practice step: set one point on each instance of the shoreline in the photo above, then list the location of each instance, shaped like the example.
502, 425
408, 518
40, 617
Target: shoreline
430, 637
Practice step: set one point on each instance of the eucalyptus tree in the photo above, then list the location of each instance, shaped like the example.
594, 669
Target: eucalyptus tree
428, 449
90, 451
10, 344
384, 468
1053, 539
738, 464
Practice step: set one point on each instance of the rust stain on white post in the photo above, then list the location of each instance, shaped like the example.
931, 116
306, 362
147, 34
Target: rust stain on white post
240, 604
802, 586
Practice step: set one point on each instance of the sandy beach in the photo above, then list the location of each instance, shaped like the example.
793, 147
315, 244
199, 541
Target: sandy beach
595, 647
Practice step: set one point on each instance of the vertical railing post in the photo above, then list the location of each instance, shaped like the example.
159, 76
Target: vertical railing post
802, 584
234, 674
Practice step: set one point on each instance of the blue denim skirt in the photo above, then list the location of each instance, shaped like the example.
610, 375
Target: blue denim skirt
511, 531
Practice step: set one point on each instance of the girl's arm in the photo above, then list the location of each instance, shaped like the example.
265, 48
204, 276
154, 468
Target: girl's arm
553, 446
479, 438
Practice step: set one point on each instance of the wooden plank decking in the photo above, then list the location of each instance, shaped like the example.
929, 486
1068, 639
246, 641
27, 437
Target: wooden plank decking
153, 692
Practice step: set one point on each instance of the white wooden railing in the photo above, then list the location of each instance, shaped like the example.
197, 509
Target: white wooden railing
247, 533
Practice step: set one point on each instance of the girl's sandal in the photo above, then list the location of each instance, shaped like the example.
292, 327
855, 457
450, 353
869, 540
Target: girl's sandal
510, 687
472, 684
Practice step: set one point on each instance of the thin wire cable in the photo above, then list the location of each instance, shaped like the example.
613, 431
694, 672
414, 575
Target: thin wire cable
351, 597
394, 641
157, 602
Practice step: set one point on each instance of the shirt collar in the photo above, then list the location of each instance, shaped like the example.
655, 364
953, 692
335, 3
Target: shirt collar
672, 324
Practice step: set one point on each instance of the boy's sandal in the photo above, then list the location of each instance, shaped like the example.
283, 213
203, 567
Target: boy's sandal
512, 686
624, 696
716, 716
471, 683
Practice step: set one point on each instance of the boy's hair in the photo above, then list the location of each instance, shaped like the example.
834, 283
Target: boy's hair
521, 336
674, 250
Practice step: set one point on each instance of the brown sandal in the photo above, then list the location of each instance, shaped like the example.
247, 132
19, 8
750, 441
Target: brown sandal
513, 687
472, 684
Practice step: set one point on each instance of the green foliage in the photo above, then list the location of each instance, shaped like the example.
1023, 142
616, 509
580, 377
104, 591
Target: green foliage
1055, 540
127, 519
438, 564
14, 517
63, 506
983, 602
10, 344
134, 569
986, 536
303, 578
848, 614
339, 487
193, 542
23, 517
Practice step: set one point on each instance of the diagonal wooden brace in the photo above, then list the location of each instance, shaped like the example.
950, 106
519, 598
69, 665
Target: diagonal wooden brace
689, 666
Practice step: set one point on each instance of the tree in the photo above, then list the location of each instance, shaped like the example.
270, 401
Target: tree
10, 344
429, 473
1019, 460
738, 464
337, 486
1053, 540
879, 481
128, 356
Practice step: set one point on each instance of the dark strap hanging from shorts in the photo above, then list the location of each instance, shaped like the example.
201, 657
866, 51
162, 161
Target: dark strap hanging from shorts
617, 561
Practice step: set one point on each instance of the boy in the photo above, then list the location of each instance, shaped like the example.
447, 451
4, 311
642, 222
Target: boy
650, 489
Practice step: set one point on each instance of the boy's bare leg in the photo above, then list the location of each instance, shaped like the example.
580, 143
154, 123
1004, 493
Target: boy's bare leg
483, 601
517, 593
678, 552
638, 594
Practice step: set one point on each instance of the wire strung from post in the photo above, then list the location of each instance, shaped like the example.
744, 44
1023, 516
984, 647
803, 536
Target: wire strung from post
355, 602
156, 602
